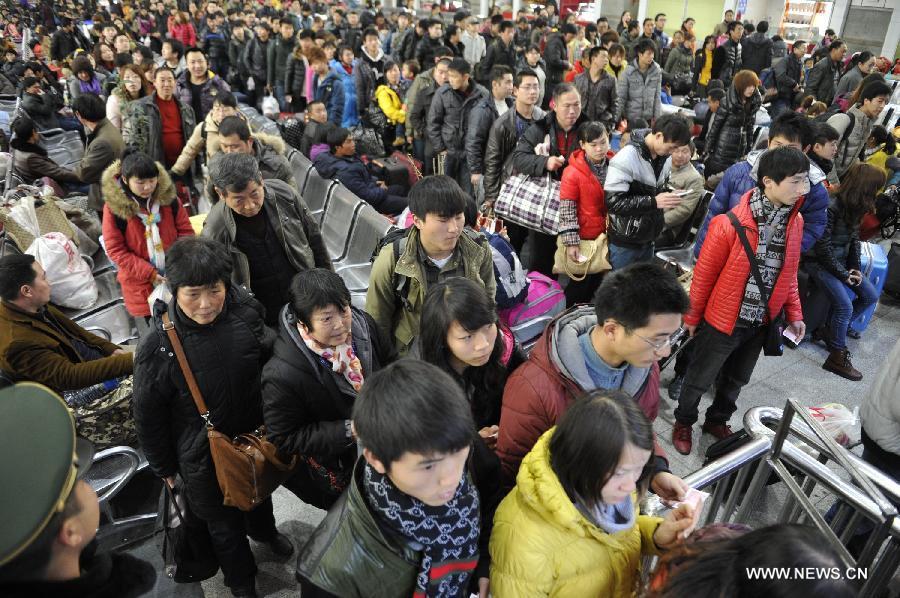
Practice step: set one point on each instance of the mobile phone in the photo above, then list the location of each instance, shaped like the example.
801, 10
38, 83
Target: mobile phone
681, 193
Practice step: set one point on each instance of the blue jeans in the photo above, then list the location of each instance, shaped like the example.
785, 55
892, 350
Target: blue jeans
621, 255
843, 309
280, 96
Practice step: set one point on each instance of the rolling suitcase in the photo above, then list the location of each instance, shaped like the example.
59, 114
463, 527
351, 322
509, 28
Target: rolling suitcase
874, 266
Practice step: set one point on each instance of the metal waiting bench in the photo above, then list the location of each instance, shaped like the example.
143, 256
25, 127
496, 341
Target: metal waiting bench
316, 193
339, 220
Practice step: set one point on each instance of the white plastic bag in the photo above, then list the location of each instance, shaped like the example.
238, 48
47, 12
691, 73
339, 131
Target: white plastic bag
837, 420
270, 105
161, 292
251, 84
24, 214
71, 282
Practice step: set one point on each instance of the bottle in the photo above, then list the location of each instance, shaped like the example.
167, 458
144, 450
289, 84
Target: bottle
86, 396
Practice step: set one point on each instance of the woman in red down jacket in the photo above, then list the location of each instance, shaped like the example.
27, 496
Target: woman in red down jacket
582, 207
141, 220
183, 30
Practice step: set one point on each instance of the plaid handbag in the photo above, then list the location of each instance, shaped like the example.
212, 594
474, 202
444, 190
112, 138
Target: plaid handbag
532, 202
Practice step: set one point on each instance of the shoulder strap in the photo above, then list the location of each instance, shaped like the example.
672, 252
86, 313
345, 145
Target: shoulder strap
169, 327
751, 256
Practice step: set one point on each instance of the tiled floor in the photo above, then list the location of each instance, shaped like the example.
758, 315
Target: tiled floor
797, 374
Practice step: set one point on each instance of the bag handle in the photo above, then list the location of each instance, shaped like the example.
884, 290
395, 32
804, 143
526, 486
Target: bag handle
587, 266
754, 264
169, 327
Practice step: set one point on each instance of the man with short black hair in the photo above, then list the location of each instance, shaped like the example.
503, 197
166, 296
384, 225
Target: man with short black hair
172, 56
411, 506
636, 192
506, 131
598, 89
757, 49
448, 117
342, 163
640, 86
159, 124
255, 59
613, 344
823, 78
500, 51
64, 42
39, 344
438, 246
734, 301
418, 100
482, 118
369, 72
659, 36
104, 144
788, 76
235, 137
722, 28
856, 125
278, 53
433, 41
197, 86
727, 58
556, 56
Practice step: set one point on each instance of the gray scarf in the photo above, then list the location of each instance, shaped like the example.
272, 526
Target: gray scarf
770, 249
610, 518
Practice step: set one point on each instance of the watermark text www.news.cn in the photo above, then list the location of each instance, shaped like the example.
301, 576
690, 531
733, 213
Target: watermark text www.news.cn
806, 573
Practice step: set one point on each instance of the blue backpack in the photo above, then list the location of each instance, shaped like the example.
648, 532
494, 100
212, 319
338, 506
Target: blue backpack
512, 283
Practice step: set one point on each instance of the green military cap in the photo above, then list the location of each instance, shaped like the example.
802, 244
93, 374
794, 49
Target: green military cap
39, 459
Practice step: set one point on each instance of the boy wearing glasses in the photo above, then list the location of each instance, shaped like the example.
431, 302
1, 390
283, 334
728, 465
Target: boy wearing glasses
729, 312
614, 344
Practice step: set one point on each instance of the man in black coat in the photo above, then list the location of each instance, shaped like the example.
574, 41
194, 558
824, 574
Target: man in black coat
727, 58
64, 43
556, 56
500, 51
757, 49
482, 118
209, 315
788, 76
448, 117
307, 406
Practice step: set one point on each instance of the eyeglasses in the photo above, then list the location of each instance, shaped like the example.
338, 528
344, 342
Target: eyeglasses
673, 340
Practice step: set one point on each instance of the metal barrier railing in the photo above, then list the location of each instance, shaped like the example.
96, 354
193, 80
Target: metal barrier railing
769, 451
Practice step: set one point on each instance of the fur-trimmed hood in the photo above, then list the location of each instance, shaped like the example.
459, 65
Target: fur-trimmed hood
276, 143
123, 206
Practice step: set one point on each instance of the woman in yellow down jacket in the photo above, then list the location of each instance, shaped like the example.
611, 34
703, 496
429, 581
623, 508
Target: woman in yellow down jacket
571, 527
391, 104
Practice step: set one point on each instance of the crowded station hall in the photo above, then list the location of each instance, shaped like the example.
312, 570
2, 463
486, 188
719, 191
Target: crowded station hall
412, 299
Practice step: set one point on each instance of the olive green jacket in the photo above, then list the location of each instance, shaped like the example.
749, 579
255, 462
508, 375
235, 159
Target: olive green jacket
297, 232
399, 319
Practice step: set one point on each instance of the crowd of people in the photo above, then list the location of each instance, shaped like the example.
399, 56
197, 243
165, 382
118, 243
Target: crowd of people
452, 458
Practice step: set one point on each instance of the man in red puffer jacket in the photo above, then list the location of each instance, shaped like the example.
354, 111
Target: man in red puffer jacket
728, 310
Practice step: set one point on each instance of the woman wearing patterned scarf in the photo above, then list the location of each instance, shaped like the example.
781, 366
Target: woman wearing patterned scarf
729, 312
85, 79
141, 220
325, 351
571, 526
410, 522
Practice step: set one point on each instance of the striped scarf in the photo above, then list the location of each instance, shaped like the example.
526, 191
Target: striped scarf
770, 249
154, 242
449, 533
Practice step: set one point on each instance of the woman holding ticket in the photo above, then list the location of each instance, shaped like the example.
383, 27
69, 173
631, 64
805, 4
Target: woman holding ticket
572, 526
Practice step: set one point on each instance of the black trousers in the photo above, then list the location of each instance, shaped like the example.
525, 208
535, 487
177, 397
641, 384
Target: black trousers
727, 360
582, 291
229, 533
